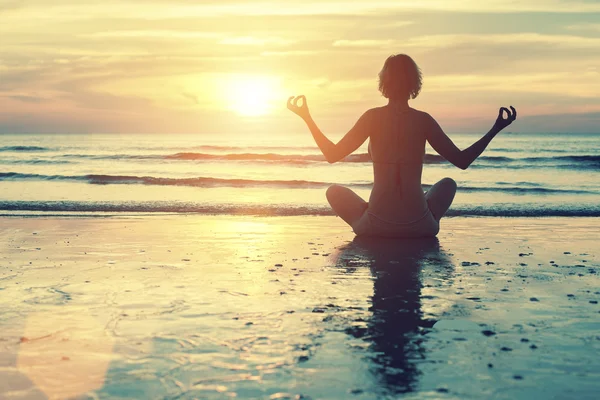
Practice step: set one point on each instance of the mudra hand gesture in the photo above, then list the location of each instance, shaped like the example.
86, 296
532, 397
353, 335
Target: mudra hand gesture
300, 110
502, 122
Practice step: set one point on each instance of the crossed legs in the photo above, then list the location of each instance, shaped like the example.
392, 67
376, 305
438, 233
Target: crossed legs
350, 207
440, 197
345, 203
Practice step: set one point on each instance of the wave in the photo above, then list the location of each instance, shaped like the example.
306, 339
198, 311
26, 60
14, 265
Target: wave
581, 162
355, 158
36, 162
519, 150
573, 161
584, 160
524, 190
202, 182
248, 157
24, 148
230, 148
501, 210
520, 188
281, 158
589, 159
114, 156
262, 157
520, 183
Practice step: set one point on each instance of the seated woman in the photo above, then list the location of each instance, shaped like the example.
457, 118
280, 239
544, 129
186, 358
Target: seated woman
397, 206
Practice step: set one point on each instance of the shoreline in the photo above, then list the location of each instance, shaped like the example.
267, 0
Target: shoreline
250, 211
217, 306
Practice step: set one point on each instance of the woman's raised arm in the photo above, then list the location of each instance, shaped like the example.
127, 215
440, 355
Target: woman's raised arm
463, 158
332, 152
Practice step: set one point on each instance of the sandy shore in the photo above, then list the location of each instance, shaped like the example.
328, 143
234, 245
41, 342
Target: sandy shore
293, 307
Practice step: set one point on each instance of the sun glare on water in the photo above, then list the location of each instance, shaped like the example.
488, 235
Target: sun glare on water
252, 96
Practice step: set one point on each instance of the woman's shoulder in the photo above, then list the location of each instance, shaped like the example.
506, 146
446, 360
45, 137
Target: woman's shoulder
423, 116
375, 110
421, 113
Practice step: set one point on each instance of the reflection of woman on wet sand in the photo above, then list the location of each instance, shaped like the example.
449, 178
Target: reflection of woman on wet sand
397, 134
393, 330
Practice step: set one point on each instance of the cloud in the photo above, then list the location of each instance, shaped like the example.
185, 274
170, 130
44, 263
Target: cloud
584, 27
162, 57
70, 9
9, 5
519, 39
27, 99
154, 34
255, 41
384, 43
191, 97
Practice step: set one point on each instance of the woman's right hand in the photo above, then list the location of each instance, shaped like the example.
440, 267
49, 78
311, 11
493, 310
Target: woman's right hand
300, 110
502, 122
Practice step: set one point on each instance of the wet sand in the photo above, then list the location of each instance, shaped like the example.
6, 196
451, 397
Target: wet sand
294, 307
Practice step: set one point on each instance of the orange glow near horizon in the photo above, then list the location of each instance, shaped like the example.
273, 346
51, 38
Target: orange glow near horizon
177, 67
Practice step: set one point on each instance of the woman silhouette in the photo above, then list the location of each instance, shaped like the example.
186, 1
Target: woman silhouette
397, 206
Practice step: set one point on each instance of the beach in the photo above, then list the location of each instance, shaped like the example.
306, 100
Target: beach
179, 179
237, 306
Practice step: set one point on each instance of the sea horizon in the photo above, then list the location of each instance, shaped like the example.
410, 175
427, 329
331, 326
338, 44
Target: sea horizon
516, 176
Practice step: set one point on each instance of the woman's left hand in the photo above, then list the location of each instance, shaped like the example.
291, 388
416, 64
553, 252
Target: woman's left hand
300, 110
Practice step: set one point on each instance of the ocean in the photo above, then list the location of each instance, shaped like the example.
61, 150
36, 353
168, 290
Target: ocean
88, 174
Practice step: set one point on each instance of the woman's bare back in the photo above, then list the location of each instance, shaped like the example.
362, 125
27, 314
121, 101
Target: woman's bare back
397, 148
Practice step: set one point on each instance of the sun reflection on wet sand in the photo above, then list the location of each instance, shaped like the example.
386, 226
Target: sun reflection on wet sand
208, 307
65, 355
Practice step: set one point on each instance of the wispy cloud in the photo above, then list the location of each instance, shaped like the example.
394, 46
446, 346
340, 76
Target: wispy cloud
255, 41
384, 43
519, 39
116, 61
27, 98
158, 33
585, 27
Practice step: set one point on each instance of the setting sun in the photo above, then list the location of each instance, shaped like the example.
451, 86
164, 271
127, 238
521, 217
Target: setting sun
252, 95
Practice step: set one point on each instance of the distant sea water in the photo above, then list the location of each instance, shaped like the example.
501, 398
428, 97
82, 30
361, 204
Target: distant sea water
518, 175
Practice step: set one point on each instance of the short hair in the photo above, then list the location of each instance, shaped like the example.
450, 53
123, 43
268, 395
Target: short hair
400, 77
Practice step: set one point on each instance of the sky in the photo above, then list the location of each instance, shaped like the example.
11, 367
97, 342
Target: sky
213, 67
